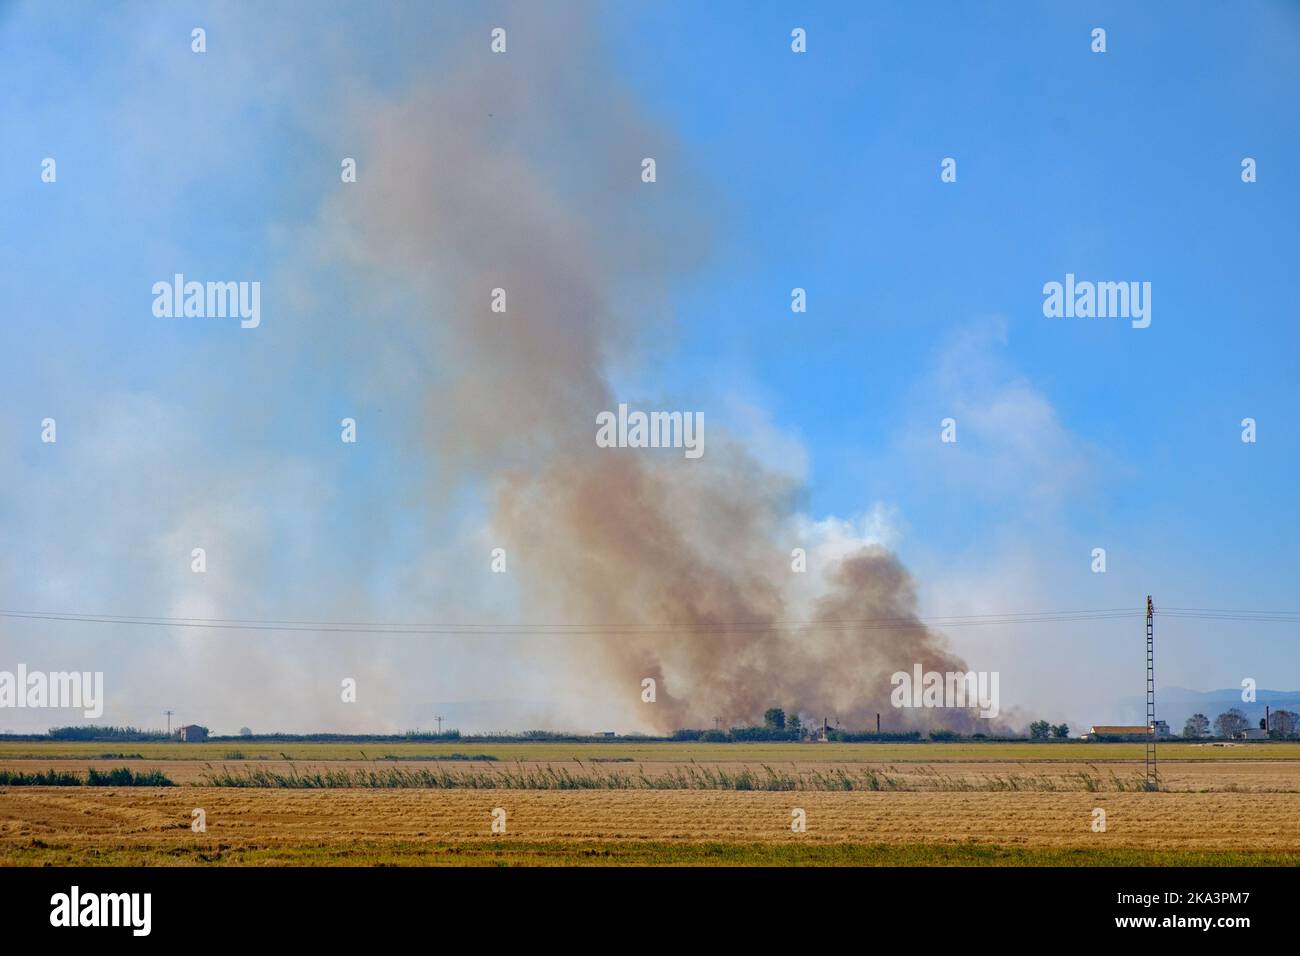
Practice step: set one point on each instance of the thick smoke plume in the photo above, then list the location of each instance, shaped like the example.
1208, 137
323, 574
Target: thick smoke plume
522, 172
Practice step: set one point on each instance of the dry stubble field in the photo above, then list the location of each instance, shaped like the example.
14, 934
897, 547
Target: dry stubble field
935, 804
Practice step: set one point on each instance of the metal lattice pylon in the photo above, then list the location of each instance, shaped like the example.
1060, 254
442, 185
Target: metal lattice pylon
1153, 778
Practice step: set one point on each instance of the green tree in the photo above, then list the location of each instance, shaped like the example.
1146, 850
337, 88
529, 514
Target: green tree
1039, 730
774, 719
795, 726
1198, 725
1061, 731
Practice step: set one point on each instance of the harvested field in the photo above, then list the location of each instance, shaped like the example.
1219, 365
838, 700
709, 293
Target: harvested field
82, 825
961, 809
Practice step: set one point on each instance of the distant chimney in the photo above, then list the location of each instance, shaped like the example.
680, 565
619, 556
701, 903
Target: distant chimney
877, 723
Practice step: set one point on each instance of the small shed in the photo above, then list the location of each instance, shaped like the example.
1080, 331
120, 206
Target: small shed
191, 733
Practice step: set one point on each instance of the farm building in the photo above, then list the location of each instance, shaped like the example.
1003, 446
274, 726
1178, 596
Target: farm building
191, 733
1109, 731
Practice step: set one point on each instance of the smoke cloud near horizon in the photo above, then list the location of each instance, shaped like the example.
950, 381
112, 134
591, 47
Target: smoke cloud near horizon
475, 172
524, 175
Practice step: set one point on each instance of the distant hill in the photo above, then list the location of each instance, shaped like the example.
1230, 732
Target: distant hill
1175, 704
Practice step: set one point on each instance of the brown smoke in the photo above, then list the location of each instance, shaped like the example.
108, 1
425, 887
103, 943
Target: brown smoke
523, 172
686, 577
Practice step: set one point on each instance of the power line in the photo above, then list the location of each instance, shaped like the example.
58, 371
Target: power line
703, 627
367, 625
1215, 610
1029, 617
1214, 614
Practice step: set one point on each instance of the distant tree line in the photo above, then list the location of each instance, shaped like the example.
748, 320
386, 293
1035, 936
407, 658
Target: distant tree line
1282, 725
105, 733
1042, 730
776, 726
91, 732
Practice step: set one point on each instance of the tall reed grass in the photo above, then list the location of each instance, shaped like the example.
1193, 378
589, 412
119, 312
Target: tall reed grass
117, 777
692, 777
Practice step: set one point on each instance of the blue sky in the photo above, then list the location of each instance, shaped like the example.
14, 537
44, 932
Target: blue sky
1118, 164
818, 170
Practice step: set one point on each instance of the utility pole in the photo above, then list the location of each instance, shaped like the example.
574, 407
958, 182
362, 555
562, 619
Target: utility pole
1153, 778
169, 721
717, 723
439, 720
